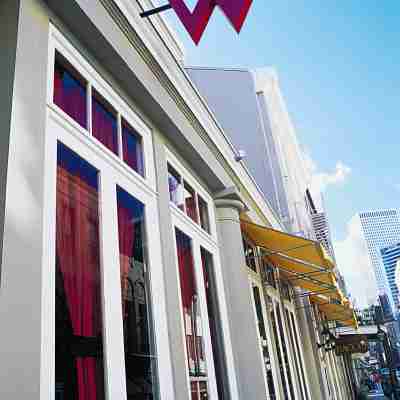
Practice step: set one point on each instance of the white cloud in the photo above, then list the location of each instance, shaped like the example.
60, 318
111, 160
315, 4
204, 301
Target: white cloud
353, 262
320, 180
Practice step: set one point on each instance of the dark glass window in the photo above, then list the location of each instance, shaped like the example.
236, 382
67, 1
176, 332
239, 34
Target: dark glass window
190, 202
285, 351
140, 354
215, 324
132, 148
204, 216
279, 355
79, 325
192, 318
104, 122
175, 188
70, 91
263, 337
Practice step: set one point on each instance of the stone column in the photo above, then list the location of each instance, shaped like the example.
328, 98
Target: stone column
24, 33
243, 327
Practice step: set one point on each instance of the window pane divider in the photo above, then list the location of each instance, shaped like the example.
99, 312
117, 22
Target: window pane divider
119, 134
89, 107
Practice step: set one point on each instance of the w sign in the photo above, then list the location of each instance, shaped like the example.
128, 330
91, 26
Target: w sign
196, 21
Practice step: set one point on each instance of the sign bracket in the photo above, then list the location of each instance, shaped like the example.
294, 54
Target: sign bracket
157, 10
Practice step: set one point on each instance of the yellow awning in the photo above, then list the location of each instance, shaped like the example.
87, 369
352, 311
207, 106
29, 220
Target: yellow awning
301, 261
342, 312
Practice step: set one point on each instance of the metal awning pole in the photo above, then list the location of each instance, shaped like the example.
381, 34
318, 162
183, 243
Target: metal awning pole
157, 10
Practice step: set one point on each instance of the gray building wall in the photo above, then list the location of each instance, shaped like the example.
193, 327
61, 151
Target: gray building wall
231, 96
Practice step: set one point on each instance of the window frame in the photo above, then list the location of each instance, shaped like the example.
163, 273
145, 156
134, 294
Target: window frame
186, 176
112, 173
202, 239
96, 83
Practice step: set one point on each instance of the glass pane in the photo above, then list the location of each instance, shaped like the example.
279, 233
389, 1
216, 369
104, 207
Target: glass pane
285, 351
214, 321
264, 344
191, 307
175, 188
79, 325
278, 352
204, 216
70, 91
194, 388
132, 148
104, 123
140, 355
203, 390
190, 202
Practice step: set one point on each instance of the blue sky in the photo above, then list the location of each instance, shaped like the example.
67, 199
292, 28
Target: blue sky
338, 65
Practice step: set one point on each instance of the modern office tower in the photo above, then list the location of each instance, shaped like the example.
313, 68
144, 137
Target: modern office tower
250, 107
381, 228
390, 257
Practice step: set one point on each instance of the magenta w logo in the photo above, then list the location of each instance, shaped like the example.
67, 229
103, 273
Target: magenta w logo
195, 22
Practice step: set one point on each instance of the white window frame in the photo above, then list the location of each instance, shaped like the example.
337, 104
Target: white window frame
123, 111
112, 172
186, 176
200, 238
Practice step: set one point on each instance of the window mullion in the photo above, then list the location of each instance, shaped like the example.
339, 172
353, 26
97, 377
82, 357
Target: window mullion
113, 328
89, 107
119, 128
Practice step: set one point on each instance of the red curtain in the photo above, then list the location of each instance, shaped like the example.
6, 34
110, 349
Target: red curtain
70, 95
126, 233
191, 208
77, 244
104, 126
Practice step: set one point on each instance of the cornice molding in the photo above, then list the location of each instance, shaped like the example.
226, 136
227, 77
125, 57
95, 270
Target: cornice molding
126, 16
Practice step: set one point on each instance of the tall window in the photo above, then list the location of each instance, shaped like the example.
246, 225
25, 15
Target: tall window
264, 343
192, 318
79, 344
215, 322
140, 355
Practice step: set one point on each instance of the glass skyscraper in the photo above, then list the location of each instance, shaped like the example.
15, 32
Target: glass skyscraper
381, 228
390, 256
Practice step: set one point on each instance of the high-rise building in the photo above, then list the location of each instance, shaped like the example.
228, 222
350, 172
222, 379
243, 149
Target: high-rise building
264, 130
390, 256
380, 228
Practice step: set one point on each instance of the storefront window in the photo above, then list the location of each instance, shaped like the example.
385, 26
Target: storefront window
295, 353
279, 355
214, 320
192, 317
285, 352
140, 355
70, 91
132, 148
264, 344
104, 123
79, 371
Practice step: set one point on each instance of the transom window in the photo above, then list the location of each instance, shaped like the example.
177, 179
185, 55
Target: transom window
84, 104
182, 194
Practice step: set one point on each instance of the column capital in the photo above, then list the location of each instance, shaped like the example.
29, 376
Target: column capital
230, 198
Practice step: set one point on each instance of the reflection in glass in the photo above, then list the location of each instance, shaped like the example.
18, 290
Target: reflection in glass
190, 202
140, 355
175, 188
79, 360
